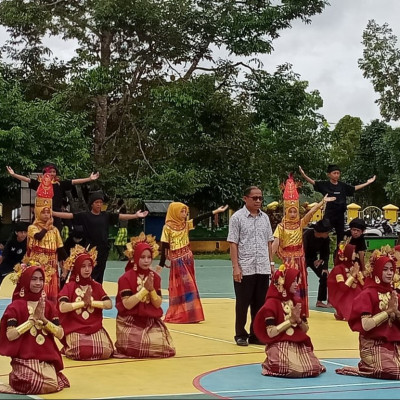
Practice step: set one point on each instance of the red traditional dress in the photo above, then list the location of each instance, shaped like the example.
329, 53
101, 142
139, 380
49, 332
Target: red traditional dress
290, 234
48, 243
85, 338
289, 353
184, 300
140, 331
35, 359
379, 346
342, 288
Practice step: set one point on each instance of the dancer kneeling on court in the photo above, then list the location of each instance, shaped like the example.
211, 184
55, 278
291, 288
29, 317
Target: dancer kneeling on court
375, 315
281, 324
345, 281
140, 331
27, 330
81, 303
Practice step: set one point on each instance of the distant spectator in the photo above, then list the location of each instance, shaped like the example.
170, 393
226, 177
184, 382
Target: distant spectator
356, 236
14, 250
316, 245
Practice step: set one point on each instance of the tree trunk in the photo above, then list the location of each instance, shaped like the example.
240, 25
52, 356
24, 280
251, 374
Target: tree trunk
101, 101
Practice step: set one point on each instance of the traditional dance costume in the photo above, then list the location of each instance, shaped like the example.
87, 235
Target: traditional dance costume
288, 348
379, 332
85, 338
290, 234
43, 241
184, 300
35, 359
140, 331
343, 287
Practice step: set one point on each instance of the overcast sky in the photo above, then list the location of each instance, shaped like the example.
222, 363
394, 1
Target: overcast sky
325, 53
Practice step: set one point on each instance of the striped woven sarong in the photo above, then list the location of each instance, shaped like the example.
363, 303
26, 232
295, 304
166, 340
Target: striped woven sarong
291, 360
34, 377
96, 346
184, 300
143, 337
379, 359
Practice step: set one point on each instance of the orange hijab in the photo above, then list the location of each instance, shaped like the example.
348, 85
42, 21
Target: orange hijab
173, 218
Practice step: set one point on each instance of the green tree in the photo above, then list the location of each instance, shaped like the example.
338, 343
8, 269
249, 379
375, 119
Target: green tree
126, 46
381, 64
371, 158
290, 130
33, 132
345, 141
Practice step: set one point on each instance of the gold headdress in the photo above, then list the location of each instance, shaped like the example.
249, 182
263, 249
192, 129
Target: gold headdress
385, 251
142, 238
279, 278
76, 252
33, 261
341, 249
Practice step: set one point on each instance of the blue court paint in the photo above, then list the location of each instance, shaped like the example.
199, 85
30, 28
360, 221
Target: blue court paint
246, 382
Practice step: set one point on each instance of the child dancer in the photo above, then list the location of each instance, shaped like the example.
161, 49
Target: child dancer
345, 281
140, 331
375, 315
27, 330
184, 300
81, 302
282, 325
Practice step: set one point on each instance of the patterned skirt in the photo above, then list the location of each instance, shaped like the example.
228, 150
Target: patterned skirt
34, 377
96, 346
143, 337
379, 359
184, 300
291, 360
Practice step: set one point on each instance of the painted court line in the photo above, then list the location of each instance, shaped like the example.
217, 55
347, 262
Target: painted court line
211, 338
302, 387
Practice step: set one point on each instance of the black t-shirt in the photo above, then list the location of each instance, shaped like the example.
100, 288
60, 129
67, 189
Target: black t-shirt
59, 189
359, 242
13, 253
96, 227
314, 246
341, 190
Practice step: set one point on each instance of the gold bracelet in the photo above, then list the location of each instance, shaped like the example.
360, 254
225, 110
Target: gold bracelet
52, 328
24, 327
78, 304
349, 281
380, 317
154, 296
142, 293
97, 304
283, 326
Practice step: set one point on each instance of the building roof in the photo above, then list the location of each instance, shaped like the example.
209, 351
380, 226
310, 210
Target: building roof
157, 206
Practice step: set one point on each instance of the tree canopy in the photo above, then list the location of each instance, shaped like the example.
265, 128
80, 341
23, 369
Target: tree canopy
381, 64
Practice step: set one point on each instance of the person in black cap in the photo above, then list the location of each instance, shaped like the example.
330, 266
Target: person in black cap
59, 186
335, 210
96, 225
355, 235
316, 243
14, 250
